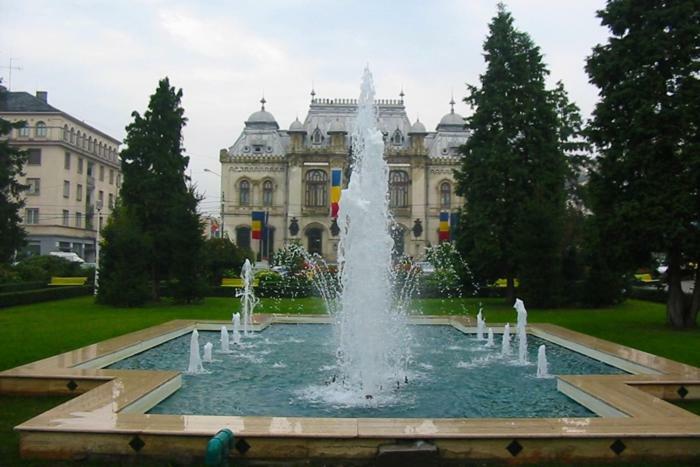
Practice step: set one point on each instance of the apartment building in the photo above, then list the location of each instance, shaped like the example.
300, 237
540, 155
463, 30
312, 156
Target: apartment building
73, 174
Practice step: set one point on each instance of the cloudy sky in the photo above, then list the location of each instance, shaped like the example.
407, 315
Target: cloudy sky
100, 60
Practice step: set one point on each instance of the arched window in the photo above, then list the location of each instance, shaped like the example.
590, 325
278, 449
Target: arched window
315, 237
72, 136
445, 195
84, 142
317, 136
90, 146
397, 138
99, 149
23, 131
244, 193
66, 133
267, 193
243, 237
77, 138
398, 189
316, 188
40, 130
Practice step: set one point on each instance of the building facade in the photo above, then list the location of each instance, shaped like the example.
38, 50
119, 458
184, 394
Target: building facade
287, 175
73, 174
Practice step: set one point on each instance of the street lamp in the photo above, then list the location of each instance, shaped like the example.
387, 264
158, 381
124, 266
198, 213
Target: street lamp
97, 246
222, 202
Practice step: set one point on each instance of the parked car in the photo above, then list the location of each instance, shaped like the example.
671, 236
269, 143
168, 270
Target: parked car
69, 255
281, 270
426, 267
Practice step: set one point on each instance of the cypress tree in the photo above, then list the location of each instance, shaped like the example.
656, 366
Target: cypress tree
513, 170
645, 187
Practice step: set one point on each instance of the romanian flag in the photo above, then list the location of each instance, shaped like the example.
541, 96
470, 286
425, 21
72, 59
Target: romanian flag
258, 224
336, 186
444, 230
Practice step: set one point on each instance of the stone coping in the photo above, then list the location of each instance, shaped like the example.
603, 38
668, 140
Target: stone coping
112, 403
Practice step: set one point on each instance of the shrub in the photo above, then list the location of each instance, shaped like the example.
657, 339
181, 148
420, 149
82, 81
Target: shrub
273, 284
42, 268
42, 295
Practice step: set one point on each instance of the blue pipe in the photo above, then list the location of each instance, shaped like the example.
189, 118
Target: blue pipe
218, 448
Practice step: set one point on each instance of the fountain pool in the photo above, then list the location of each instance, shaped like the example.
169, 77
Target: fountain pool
287, 370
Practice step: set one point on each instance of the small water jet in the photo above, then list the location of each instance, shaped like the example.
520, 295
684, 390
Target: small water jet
480, 326
505, 343
248, 299
489, 340
195, 366
521, 330
207, 358
225, 346
542, 364
236, 328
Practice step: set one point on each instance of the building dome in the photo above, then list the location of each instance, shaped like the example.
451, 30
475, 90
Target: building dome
417, 128
296, 127
451, 121
262, 118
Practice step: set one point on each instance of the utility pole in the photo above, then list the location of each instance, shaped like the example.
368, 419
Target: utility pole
97, 247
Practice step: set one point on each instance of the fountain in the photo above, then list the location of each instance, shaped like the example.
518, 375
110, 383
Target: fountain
521, 330
236, 328
195, 365
248, 299
207, 358
489, 341
225, 346
373, 338
505, 343
480, 326
542, 364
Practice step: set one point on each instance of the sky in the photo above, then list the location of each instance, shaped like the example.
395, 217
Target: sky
101, 60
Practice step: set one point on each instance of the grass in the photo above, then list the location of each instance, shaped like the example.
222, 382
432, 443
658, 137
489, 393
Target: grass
32, 332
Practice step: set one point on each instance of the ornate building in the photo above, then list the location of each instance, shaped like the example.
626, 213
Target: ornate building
287, 175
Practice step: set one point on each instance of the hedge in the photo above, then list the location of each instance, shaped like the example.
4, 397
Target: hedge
21, 286
42, 295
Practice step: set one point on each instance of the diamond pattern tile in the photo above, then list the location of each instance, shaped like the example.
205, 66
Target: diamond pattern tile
514, 448
242, 446
137, 443
682, 391
72, 385
618, 446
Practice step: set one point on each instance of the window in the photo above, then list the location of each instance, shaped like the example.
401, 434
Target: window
317, 136
397, 138
34, 186
79, 193
31, 216
66, 161
34, 157
84, 142
111, 201
79, 219
398, 189
40, 130
445, 195
77, 139
119, 180
80, 165
315, 239
91, 147
66, 189
244, 193
102, 173
100, 199
90, 169
72, 136
24, 131
66, 217
316, 188
111, 176
267, 193
66, 133
243, 237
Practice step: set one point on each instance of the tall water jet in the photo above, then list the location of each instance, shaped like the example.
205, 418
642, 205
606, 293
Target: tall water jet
236, 328
373, 336
521, 330
542, 364
248, 299
195, 366
207, 358
480, 326
225, 346
505, 343
489, 341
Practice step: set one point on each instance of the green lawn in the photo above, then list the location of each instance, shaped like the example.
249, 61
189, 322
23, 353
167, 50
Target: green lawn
31, 332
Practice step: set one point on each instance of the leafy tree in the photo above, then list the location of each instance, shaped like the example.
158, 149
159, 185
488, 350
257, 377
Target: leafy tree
513, 170
124, 261
11, 162
222, 257
645, 189
157, 198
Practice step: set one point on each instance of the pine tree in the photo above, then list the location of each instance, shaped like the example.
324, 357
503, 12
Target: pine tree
646, 126
11, 162
157, 198
513, 170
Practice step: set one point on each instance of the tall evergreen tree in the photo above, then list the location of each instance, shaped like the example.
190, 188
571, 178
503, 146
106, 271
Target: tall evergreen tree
513, 170
156, 196
11, 162
645, 189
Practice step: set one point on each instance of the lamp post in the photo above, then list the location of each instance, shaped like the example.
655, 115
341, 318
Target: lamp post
222, 201
98, 206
